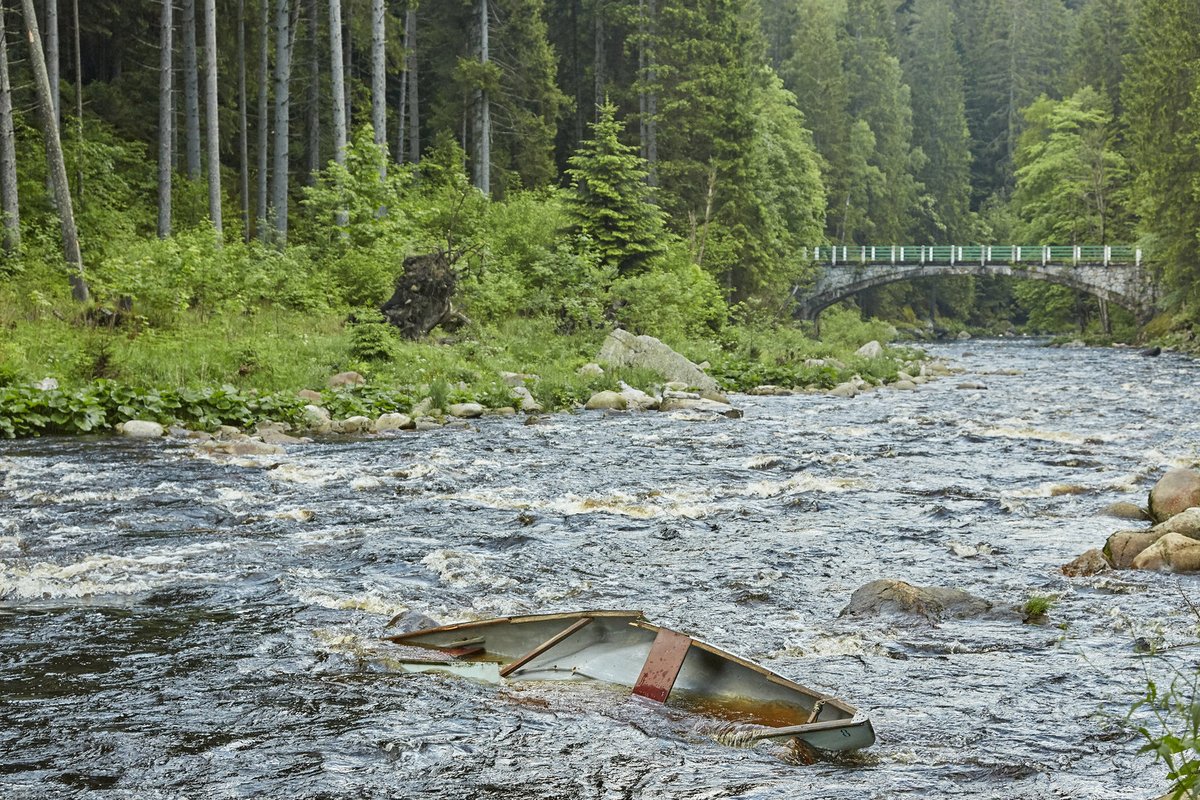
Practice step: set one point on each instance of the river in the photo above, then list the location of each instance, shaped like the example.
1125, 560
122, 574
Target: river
177, 626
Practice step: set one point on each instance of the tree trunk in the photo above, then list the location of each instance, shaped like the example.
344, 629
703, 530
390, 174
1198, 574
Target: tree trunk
211, 114
243, 123
166, 112
337, 75
264, 121
651, 99
379, 77
599, 68
283, 77
312, 124
483, 116
54, 154
414, 105
347, 72
400, 126
78, 104
191, 90
52, 56
10, 209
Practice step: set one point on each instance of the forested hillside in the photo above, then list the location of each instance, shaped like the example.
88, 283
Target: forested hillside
655, 163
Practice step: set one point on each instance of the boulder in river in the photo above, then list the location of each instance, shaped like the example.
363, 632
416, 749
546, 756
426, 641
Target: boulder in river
141, 429
699, 404
465, 410
1090, 563
1123, 547
355, 424
622, 349
607, 400
890, 596
1186, 523
1176, 491
1124, 510
1172, 551
391, 422
638, 400
846, 389
527, 403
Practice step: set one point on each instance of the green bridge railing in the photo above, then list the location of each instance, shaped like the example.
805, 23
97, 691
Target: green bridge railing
981, 254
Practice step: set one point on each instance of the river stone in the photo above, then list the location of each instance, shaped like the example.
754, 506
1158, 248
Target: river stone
1185, 522
701, 404
391, 422
770, 390
528, 404
246, 447
1124, 510
316, 419
1175, 491
423, 408
141, 429
904, 385
590, 370
622, 349
228, 433
1090, 563
309, 396
963, 336
465, 410
975, 385
871, 349
355, 424
427, 424
1123, 547
346, 379
638, 400
844, 390
890, 596
1173, 551
273, 436
606, 401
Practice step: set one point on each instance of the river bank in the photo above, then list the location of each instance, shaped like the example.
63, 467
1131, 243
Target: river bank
57, 377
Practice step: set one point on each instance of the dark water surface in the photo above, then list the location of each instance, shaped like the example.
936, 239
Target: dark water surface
176, 626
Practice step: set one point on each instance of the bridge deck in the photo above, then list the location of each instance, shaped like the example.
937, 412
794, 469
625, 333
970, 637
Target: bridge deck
982, 254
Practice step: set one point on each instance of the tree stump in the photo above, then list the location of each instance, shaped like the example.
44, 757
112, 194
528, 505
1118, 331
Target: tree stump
421, 301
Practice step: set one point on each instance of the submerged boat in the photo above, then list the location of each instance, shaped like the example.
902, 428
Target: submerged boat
624, 648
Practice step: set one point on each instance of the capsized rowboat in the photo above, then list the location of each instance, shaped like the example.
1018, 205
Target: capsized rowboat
623, 648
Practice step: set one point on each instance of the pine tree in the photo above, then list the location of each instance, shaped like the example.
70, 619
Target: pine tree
939, 123
1163, 113
609, 201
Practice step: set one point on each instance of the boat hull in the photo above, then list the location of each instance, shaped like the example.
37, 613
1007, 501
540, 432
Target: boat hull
619, 647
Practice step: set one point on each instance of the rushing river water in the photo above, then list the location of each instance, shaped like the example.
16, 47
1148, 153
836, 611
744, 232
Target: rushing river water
177, 626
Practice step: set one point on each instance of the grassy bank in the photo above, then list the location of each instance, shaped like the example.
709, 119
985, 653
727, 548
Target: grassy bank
63, 369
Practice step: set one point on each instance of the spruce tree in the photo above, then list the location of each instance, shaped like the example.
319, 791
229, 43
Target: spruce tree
609, 201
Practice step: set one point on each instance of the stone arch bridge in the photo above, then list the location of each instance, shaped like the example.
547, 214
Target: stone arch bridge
1111, 272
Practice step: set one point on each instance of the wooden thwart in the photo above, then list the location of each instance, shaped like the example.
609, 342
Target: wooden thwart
515, 665
662, 665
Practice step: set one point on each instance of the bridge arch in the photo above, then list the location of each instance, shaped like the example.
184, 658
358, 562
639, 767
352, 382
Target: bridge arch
1128, 286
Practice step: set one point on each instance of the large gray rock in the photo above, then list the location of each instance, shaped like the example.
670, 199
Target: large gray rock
890, 596
141, 429
355, 424
637, 400
1176, 491
1090, 563
591, 370
623, 349
528, 404
871, 349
